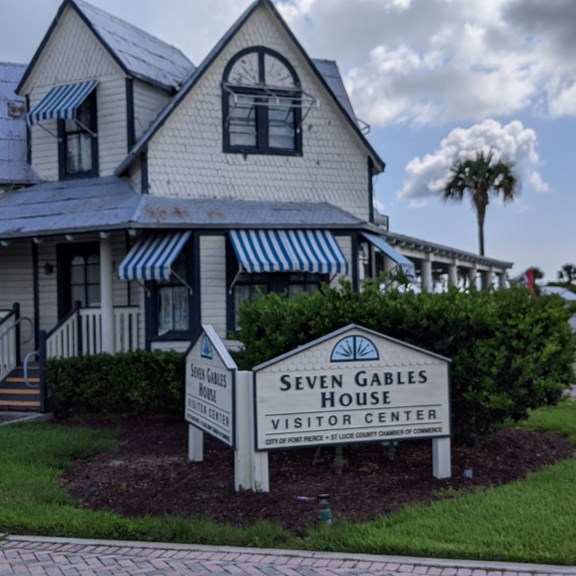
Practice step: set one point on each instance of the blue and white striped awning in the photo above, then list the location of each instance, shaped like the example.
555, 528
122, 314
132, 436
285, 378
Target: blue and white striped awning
151, 257
405, 265
288, 251
61, 102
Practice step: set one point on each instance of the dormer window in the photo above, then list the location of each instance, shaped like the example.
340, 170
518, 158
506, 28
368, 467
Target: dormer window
262, 104
73, 108
79, 142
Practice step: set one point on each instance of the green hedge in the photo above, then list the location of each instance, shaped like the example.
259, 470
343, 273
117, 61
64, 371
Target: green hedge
133, 382
510, 351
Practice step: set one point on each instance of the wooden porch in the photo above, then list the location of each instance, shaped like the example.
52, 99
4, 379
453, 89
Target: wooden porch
22, 385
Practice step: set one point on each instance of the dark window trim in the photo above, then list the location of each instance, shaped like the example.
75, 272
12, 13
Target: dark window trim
130, 122
151, 304
262, 122
64, 255
277, 282
28, 134
91, 99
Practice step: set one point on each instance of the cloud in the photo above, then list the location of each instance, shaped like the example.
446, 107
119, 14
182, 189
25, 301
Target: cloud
427, 176
426, 62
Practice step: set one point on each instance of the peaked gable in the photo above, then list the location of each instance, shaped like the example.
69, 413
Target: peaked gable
316, 67
139, 54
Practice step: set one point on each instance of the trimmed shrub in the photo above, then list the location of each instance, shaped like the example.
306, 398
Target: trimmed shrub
133, 382
511, 352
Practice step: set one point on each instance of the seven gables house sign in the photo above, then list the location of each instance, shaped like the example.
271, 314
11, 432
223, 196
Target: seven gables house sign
353, 385
211, 387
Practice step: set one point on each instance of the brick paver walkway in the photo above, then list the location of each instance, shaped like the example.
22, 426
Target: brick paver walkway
65, 557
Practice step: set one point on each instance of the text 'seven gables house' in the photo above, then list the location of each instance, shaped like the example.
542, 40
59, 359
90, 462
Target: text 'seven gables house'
142, 196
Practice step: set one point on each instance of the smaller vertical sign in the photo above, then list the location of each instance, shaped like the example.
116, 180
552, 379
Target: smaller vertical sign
211, 387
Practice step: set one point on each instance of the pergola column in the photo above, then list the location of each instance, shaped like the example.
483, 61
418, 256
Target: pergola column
106, 293
426, 274
453, 273
472, 271
486, 279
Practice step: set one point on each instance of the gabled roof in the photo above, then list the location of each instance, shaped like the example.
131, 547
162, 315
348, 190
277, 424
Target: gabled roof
14, 167
330, 73
316, 67
139, 54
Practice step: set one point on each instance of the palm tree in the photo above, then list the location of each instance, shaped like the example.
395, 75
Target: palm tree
567, 273
481, 177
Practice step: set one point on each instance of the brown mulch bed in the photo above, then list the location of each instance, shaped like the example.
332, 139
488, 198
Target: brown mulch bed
150, 475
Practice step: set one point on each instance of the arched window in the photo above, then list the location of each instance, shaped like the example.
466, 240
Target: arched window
262, 104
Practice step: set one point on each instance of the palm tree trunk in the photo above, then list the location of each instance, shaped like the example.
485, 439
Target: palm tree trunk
481, 213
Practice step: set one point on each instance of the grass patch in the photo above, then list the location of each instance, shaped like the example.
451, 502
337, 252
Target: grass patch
32, 458
531, 520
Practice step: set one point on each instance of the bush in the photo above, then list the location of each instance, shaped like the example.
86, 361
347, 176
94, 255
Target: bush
511, 352
133, 382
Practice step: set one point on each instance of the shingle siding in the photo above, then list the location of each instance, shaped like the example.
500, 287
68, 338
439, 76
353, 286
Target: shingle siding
72, 55
186, 156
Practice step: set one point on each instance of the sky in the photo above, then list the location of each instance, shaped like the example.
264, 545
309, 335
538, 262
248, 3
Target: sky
436, 80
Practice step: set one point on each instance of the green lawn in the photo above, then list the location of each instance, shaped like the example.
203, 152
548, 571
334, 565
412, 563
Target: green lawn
532, 520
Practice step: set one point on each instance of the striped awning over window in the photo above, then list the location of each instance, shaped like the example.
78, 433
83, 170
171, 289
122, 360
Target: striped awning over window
61, 102
405, 265
288, 251
151, 257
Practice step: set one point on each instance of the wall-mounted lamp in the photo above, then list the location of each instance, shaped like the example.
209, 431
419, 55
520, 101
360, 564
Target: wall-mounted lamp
48, 269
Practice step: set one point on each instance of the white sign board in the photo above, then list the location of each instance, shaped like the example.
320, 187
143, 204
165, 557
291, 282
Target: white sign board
353, 385
210, 387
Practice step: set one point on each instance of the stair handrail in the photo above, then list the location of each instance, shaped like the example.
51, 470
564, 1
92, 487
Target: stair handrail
25, 368
10, 325
16, 324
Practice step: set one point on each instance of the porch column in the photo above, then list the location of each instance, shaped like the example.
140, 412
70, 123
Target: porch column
426, 274
453, 273
501, 279
107, 300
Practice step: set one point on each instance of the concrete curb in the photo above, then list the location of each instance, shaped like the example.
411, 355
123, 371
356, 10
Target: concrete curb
23, 417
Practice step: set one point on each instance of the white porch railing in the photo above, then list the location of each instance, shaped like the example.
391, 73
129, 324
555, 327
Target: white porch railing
8, 342
81, 333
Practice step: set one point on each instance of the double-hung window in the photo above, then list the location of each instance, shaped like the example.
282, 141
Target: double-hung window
79, 142
249, 286
174, 301
262, 104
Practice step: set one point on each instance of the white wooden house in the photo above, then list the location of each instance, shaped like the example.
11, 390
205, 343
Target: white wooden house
154, 195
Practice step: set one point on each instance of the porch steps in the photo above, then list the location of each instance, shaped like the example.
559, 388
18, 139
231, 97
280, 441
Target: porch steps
16, 394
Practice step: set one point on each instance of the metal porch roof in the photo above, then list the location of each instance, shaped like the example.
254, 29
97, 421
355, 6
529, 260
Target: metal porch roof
92, 204
65, 207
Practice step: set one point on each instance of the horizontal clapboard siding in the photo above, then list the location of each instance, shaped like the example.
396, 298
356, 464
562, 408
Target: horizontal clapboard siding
213, 282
